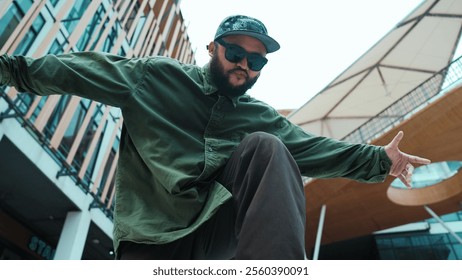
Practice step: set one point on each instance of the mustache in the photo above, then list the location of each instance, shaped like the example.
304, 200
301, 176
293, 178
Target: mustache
239, 69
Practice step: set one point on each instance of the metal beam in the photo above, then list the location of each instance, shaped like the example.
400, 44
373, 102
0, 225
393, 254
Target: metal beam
319, 234
430, 211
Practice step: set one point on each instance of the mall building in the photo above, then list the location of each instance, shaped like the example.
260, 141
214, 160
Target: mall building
58, 154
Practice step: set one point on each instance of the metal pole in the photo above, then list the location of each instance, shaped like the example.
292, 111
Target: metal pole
430, 211
319, 234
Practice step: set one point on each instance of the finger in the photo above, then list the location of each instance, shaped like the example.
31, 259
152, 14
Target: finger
397, 170
409, 170
406, 175
406, 181
397, 139
398, 167
419, 160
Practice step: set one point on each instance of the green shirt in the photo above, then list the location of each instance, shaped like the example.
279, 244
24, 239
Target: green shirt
178, 132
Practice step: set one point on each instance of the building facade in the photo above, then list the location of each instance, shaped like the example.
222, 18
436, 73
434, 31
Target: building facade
58, 154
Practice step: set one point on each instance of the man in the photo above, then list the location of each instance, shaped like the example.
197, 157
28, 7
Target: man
205, 171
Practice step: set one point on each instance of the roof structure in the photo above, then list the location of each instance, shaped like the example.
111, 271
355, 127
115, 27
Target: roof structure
354, 209
419, 46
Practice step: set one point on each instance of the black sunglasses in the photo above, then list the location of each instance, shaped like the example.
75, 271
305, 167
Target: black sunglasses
235, 53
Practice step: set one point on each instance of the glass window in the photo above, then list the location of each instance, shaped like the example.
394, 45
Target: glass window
450, 217
422, 247
54, 2
25, 100
10, 20
436, 239
384, 243
74, 127
55, 117
122, 52
57, 47
420, 241
452, 239
132, 16
85, 144
441, 252
24, 4
75, 14
458, 251
110, 39
404, 254
169, 24
91, 166
90, 30
387, 254
107, 168
30, 36
452, 254
421, 253
401, 242
137, 32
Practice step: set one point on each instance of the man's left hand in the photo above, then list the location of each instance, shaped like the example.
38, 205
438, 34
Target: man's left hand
402, 163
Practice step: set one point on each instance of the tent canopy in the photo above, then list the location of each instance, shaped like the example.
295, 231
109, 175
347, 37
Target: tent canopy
418, 47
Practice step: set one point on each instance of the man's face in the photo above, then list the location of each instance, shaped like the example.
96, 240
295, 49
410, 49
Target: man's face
234, 78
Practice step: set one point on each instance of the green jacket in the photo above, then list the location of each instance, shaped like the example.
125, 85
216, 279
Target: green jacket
180, 131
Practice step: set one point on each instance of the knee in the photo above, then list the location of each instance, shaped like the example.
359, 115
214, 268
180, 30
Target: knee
270, 150
263, 141
262, 137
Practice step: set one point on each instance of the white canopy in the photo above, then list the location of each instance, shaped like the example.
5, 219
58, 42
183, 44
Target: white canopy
419, 46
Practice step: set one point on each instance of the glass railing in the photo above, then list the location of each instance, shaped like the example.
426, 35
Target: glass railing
434, 87
14, 110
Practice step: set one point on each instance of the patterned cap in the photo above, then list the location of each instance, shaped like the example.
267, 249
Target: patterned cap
244, 25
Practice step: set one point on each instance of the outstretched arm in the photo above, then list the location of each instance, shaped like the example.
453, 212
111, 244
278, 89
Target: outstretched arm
402, 163
105, 78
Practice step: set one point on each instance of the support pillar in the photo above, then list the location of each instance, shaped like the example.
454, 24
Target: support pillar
319, 234
73, 236
433, 214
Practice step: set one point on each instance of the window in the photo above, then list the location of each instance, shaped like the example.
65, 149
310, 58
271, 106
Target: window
419, 247
54, 2
75, 14
107, 168
10, 20
110, 39
132, 16
58, 46
90, 30
74, 127
55, 117
30, 36
85, 145
137, 32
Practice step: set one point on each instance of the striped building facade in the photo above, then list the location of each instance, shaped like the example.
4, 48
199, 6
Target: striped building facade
58, 154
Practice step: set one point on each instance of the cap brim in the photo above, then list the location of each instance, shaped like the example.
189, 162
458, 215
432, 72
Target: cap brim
270, 44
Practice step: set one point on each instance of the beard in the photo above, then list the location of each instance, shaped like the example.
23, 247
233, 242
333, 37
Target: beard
221, 79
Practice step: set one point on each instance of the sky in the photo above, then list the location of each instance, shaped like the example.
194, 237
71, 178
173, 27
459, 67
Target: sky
319, 39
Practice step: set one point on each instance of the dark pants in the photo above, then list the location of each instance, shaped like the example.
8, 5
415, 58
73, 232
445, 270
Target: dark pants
264, 220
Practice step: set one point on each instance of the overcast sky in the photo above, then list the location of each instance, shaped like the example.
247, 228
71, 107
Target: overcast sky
319, 39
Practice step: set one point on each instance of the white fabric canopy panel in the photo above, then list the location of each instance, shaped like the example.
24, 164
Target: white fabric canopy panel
418, 47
